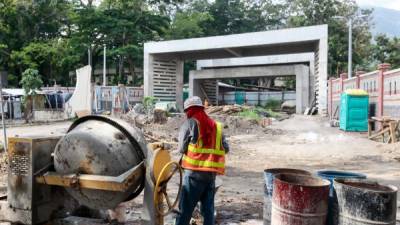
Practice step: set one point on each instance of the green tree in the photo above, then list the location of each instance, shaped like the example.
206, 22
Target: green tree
311, 12
122, 25
31, 81
25, 22
387, 50
187, 24
240, 16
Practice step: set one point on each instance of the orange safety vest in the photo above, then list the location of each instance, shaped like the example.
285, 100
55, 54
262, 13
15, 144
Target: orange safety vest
212, 159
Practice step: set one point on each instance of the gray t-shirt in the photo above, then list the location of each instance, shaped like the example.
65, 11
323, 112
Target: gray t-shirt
189, 133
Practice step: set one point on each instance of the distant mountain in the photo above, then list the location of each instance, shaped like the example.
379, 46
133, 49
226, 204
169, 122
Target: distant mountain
387, 21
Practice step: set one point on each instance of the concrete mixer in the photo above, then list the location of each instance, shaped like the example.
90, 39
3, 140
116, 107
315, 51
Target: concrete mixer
98, 164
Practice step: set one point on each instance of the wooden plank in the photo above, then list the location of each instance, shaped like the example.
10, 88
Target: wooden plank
382, 132
204, 93
392, 127
370, 122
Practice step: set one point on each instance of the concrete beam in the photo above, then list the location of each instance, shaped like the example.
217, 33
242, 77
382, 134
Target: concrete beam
307, 58
235, 53
300, 35
244, 72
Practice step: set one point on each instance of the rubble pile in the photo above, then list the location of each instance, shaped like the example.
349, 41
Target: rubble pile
226, 109
3, 162
162, 125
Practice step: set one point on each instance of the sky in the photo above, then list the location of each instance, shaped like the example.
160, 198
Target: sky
390, 4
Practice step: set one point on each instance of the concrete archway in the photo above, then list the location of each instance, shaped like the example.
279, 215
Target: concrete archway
163, 61
301, 72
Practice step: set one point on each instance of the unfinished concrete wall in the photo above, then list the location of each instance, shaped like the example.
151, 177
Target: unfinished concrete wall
165, 79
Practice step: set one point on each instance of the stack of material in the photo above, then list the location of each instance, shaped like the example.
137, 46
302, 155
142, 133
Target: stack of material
226, 109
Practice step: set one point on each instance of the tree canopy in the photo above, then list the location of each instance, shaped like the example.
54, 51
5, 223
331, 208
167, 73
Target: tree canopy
55, 36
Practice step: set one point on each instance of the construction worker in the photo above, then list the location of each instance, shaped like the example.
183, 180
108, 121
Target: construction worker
203, 147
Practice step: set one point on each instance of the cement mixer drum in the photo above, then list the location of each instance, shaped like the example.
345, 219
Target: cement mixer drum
100, 146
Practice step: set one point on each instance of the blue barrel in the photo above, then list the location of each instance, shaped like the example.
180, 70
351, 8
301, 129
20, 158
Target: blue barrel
333, 212
269, 176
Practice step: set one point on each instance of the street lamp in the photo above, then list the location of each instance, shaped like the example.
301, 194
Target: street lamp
104, 65
350, 51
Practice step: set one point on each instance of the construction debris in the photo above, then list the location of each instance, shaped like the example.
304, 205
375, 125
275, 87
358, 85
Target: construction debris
159, 125
226, 109
289, 106
160, 116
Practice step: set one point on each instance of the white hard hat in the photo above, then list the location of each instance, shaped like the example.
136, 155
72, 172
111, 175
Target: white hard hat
192, 101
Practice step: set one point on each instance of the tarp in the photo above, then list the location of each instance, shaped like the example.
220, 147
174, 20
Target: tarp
81, 99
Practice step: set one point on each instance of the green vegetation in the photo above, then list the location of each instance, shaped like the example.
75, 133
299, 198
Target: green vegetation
257, 113
273, 104
250, 114
272, 113
54, 37
31, 81
149, 103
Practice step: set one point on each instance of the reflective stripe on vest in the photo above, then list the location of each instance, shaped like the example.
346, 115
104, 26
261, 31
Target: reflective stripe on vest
203, 163
206, 159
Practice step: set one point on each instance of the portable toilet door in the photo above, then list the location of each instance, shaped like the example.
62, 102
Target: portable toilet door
354, 105
240, 97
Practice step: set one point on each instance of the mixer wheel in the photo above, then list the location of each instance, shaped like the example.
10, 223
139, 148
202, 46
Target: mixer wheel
160, 190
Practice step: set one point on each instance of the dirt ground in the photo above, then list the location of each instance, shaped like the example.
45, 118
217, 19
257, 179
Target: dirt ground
299, 142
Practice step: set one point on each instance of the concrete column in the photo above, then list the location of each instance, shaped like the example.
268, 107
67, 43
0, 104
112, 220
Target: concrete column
313, 79
179, 84
148, 74
217, 92
343, 76
191, 83
322, 74
358, 74
382, 69
302, 87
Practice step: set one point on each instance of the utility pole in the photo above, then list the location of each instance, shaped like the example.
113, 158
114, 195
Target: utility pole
104, 66
2, 114
350, 49
89, 57
350, 53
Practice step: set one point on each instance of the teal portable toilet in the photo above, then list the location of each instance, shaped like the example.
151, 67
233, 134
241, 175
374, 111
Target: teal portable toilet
354, 104
240, 97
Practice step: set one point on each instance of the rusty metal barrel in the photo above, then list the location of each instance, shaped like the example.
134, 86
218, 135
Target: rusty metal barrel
98, 145
299, 200
269, 176
363, 202
330, 175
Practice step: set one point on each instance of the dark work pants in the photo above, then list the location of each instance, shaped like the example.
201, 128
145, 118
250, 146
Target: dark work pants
196, 189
